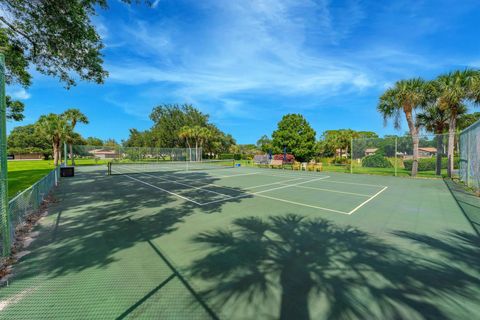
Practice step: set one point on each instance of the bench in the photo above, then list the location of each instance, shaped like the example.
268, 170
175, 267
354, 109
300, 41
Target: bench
276, 163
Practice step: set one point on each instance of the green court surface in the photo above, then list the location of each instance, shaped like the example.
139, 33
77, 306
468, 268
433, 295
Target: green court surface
247, 243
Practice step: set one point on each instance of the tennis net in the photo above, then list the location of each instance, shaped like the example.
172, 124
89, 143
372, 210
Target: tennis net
166, 166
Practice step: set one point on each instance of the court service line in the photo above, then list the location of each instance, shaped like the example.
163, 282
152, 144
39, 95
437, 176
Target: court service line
367, 201
184, 184
292, 185
211, 177
247, 193
161, 189
329, 180
248, 188
335, 191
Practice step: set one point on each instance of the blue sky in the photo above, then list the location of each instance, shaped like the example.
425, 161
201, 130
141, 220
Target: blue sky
248, 62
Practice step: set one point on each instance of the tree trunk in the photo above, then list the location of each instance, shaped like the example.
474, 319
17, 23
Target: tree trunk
71, 155
438, 167
55, 154
196, 150
451, 143
415, 140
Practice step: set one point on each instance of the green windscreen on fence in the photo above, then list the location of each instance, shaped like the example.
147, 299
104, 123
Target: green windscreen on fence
470, 156
28, 202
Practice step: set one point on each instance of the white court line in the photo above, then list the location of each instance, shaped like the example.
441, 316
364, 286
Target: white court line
153, 186
183, 184
368, 200
335, 191
252, 187
292, 185
247, 193
306, 176
211, 177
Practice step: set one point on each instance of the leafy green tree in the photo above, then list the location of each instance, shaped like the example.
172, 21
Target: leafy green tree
74, 116
55, 128
111, 143
170, 119
405, 96
24, 139
217, 141
296, 134
454, 89
139, 139
92, 141
14, 109
264, 143
466, 120
58, 37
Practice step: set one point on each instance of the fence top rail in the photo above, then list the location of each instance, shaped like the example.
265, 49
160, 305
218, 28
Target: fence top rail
31, 187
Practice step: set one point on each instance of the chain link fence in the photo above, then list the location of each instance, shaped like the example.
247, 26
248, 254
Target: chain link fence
392, 155
100, 154
469, 171
26, 203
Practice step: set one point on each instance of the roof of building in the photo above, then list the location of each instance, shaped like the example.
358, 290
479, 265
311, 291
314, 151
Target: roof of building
428, 149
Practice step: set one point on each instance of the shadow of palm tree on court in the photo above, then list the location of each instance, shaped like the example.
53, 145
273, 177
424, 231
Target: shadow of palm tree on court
291, 267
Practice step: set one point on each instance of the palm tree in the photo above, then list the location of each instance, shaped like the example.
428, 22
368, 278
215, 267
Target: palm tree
436, 120
55, 128
74, 116
198, 134
405, 96
454, 89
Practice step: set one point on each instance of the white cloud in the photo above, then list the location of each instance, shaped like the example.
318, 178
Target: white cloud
266, 47
20, 94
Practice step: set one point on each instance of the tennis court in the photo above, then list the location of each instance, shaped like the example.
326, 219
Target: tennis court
211, 240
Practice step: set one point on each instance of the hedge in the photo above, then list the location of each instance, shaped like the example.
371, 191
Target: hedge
376, 161
425, 164
235, 156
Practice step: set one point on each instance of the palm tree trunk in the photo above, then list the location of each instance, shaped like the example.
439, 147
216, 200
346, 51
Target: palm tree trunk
59, 151
438, 168
451, 143
196, 150
71, 154
415, 140
55, 154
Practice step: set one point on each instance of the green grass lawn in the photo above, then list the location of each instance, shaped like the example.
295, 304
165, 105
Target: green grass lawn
362, 170
22, 174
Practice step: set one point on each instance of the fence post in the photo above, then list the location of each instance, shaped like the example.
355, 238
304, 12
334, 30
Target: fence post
5, 215
468, 159
396, 160
351, 155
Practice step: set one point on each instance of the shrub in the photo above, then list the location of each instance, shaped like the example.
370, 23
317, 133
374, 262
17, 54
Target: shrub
376, 161
226, 156
338, 160
279, 156
425, 164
